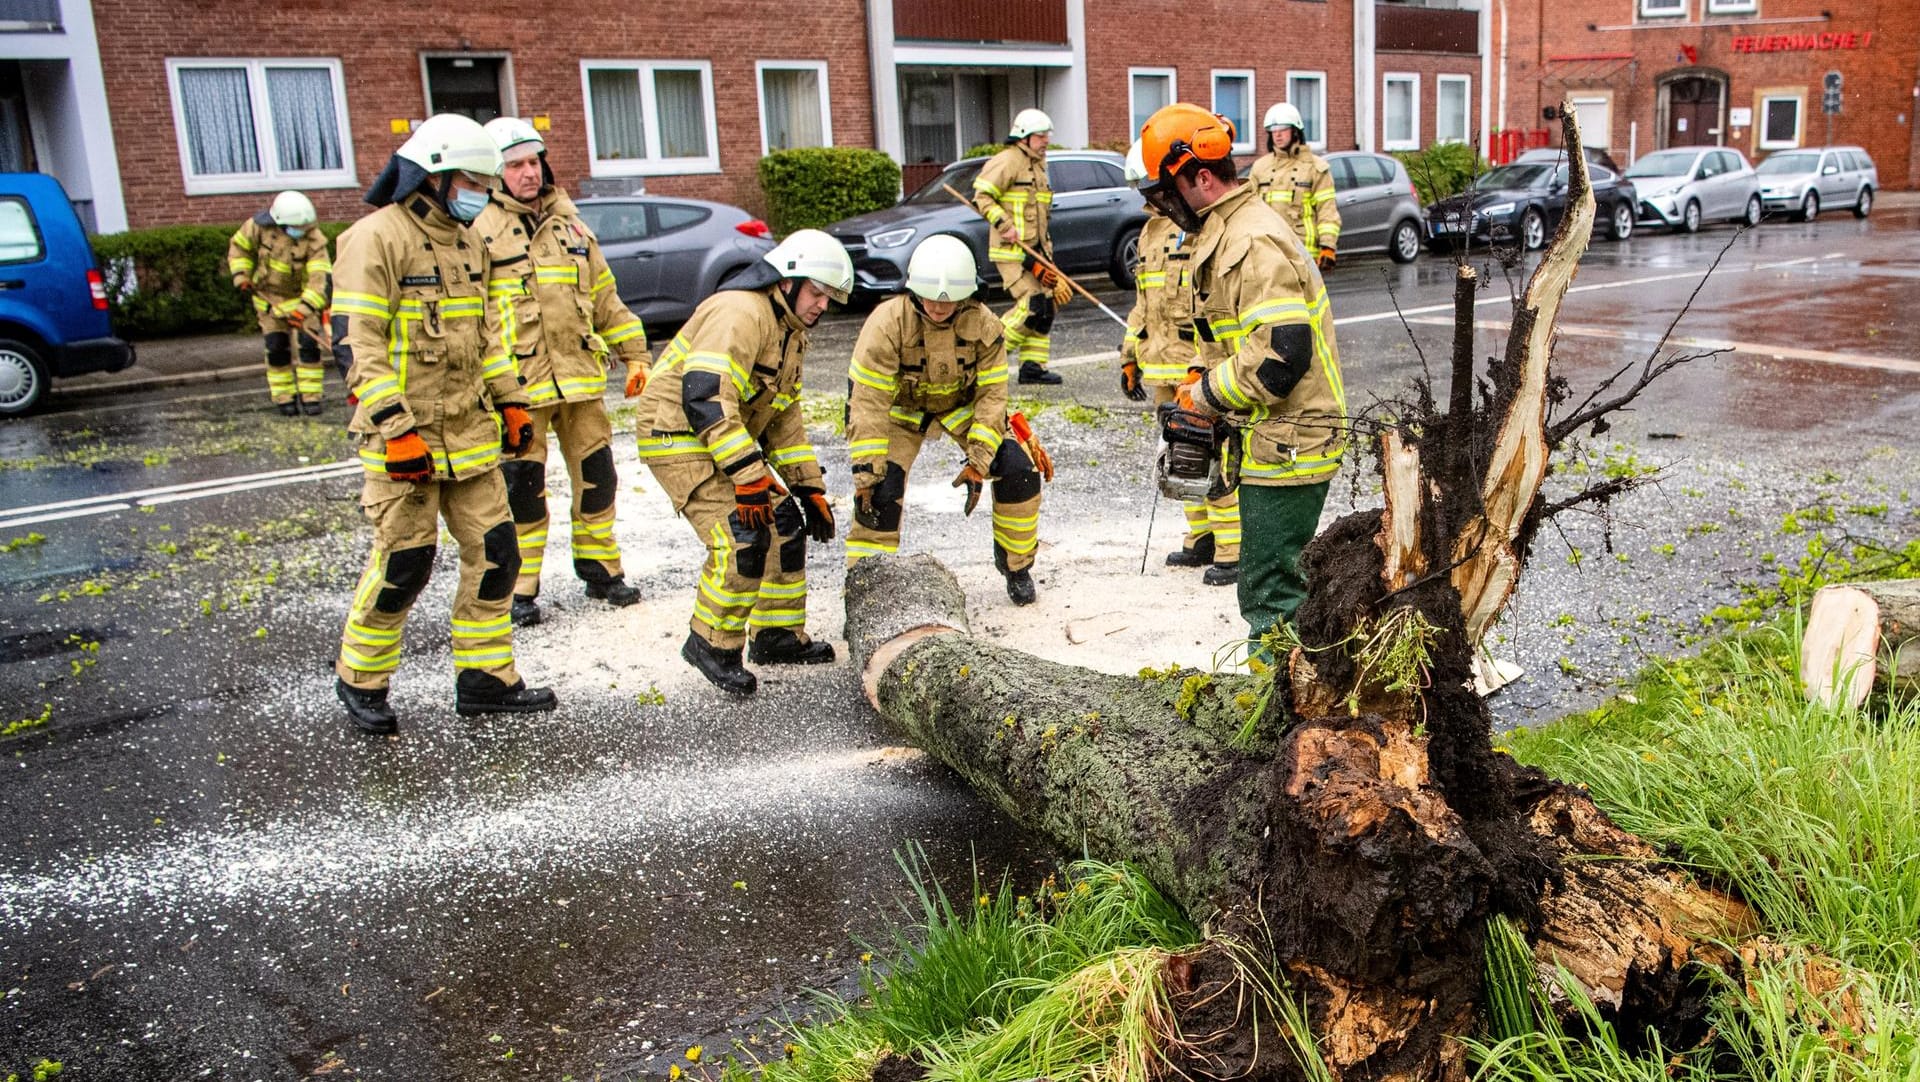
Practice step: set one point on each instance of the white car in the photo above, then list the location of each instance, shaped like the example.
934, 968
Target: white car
1681, 187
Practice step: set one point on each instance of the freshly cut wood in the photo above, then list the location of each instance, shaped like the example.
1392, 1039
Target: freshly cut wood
1859, 636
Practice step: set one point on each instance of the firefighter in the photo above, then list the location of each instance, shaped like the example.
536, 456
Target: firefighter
561, 319
1013, 193
719, 418
1156, 356
279, 258
1297, 183
933, 360
1260, 311
438, 400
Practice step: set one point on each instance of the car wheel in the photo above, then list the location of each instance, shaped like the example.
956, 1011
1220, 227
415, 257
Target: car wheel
1622, 226
1810, 206
1864, 205
1690, 218
1752, 217
23, 378
1533, 230
1404, 247
1125, 259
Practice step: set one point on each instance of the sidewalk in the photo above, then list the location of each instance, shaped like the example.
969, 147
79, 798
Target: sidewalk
171, 362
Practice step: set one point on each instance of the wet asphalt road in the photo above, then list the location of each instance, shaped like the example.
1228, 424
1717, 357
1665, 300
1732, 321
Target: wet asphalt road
209, 875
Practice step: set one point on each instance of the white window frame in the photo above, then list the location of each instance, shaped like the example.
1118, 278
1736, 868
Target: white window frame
1244, 143
1466, 107
1733, 7
1172, 77
761, 67
1649, 10
652, 165
1317, 77
271, 177
1799, 121
1412, 79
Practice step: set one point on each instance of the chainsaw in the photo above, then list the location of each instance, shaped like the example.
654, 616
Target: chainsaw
1200, 460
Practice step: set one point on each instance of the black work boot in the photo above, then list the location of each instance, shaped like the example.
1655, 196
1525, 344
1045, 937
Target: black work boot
1020, 587
1200, 555
289, 408
310, 407
614, 591
722, 667
1222, 574
368, 709
780, 646
526, 611
476, 692
1035, 372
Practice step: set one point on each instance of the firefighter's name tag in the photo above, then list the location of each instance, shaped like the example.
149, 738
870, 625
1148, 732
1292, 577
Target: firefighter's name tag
581, 251
420, 280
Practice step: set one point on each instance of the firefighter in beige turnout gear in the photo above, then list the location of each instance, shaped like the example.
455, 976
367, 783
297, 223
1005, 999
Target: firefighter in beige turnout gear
1261, 310
279, 258
1155, 358
1298, 184
561, 319
720, 416
1013, 193
438, 401
932, 360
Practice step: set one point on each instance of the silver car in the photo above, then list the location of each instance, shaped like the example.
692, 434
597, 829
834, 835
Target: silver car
668, 254
1681, 187
1818, 178
1379, 207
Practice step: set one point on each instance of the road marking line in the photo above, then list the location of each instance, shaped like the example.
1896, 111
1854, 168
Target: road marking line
191, 490
1761, 349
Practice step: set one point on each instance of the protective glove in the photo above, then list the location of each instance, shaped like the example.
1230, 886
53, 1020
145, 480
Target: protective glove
1130, 384
1189, 398
408, 458
1062, 292
243, 283
297, 318
813, 501
753, 504
516, 430
1023, 434
636, 377
973, 481
1326, 259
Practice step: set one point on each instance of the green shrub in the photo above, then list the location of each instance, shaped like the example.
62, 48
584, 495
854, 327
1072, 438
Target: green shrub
173, 280
984, 150
1442, 169
814, 187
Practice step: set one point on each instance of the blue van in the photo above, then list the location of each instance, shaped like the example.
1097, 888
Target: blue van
53, 301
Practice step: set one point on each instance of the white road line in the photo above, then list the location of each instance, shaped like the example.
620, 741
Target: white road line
1760, 349
191, 490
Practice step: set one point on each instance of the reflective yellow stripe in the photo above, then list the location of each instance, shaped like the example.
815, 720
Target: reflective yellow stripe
982, 434
872, 448
867, 377
911, 418
665, 446
361, 304
991, 376
623, 332
858, 549
784, 589
482, 628
787, 456
602, 282
567, 275
720, 364
732, 445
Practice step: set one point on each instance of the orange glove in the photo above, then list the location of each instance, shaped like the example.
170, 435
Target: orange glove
1185, 396
1326, 258
516, 430
636, 378
408, 458
297, 318
973, 481
1130, 384
819, 513
753, 504
1023, 435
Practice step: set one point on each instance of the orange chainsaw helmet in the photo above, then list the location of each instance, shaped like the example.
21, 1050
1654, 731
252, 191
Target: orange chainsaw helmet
1175, 137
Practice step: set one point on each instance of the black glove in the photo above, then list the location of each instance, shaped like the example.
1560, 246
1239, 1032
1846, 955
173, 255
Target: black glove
1130, 384
813, 502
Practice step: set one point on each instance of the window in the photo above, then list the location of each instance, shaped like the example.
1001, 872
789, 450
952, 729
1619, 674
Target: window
648, 118
1148, 89
1367, 170
1233, 99
19, 236
1450, 108
1307, 92
793, 105
1663, 9
1594, 112
616, 223
674, 216
1732, 7
261, 125
1779, 121
1400, 111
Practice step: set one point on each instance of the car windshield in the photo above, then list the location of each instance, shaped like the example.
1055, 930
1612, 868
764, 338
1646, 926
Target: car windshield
1514, 176
1667, 163
959, 178
1790, 163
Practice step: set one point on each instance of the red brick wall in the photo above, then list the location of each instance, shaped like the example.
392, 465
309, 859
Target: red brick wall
1878, 109
379, 48
1429, 66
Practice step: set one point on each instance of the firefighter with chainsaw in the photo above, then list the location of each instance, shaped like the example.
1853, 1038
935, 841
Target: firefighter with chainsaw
1155, 358
719, 419
279, 258
933, 361
562, 321
1270, 401
1013, 194
438, 402
1298, 184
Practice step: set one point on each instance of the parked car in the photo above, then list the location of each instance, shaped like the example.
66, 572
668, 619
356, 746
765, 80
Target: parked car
1379, 207
1095, 223
1614, 196
669, 254
1681, 187
1809, 181
53, 300
1521, 203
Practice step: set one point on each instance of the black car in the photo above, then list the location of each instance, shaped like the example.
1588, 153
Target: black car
1520, 205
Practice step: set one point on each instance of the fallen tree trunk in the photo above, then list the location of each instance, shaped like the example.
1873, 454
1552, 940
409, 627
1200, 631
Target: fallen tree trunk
1861, 636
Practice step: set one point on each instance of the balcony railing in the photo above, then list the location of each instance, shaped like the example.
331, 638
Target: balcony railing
1402, 28
16, 15
1023, 21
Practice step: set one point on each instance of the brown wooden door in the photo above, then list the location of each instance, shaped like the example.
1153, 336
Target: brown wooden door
1693, 111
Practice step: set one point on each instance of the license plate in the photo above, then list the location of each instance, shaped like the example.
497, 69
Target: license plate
1445, 227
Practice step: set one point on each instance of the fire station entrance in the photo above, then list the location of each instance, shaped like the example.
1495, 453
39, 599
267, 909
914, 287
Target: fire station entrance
1694, 105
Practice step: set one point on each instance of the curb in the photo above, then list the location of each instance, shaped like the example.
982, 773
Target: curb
95, 390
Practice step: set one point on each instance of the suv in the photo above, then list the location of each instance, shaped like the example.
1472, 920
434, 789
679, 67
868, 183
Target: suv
1811, 180
53, 301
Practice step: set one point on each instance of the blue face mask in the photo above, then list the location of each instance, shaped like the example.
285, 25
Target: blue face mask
296, 231
466, 205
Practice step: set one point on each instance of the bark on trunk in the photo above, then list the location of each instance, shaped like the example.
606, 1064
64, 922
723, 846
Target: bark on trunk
1861, 636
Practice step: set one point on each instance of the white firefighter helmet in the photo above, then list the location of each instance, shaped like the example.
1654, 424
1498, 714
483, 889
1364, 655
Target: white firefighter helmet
291, 209
510, 131
1283, 115
449, 141
942, 269
811, 254
1029, 122
1136, 170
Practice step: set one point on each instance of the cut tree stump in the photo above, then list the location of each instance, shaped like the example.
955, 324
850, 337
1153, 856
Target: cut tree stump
1861, 636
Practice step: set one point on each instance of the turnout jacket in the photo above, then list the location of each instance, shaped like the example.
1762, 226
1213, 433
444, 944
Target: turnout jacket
559, 309
1160, 327
410, 312
1298, 184
1013, 186
287, 272
911, 372
728, 387
1261, 312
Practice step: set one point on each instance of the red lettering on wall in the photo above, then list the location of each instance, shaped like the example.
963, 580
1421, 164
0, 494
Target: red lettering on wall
1786, 43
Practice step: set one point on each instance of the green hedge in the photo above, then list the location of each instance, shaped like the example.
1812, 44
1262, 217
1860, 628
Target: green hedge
1442, 169
173, 280
985, 150
814, 187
